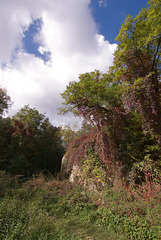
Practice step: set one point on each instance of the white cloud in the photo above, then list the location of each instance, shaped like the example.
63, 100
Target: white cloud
68, 32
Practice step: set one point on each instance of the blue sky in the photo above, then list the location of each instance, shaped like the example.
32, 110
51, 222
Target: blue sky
112, 13
45, 44
30, 45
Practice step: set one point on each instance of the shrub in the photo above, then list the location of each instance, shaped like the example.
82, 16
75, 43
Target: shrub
6, 181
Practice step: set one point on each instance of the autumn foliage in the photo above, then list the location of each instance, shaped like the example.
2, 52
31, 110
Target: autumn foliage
123, 106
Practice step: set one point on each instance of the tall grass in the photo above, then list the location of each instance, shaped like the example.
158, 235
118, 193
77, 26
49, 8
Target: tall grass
41, 209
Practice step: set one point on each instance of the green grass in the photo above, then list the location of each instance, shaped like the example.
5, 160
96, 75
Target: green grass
50, 210
37, 218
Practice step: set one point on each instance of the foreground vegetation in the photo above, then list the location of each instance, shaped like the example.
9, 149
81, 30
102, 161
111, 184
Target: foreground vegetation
52, 209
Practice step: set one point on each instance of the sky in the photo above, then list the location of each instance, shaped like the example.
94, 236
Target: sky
45, 44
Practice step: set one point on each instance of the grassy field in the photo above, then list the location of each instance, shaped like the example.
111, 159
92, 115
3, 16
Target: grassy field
52, 209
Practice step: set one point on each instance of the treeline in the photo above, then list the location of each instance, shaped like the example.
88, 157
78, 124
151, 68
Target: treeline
123, 107
29, 143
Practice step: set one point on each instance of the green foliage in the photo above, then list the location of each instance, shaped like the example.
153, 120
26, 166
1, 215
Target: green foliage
29, 117
6, 181
38, 141
29, 143
124, 106
93, 94
93, 171
132, 210
6, 149
137, 65
68, 134
45, 212
117, 133
5, 101
58, 210
142, 32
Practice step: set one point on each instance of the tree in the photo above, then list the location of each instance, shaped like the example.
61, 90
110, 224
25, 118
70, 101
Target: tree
124, 106
6, 149
137, 65
5, 134
137, 68
94, 97
28, 120
5, 101
97, 99
37, 144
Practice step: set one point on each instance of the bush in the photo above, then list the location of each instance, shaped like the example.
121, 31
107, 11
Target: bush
6, 181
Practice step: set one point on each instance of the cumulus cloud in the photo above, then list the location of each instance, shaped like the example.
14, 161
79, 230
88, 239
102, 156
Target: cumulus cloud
68, 32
